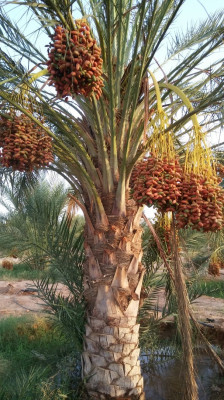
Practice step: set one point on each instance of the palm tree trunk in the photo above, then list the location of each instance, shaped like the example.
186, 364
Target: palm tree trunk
113, 281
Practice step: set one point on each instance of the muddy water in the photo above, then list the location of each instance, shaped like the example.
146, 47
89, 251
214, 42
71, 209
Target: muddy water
163, 380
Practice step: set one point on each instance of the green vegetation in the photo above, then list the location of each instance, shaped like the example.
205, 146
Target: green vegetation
40, 359
22, 337
21, 271
32, 353
210, 287
33, 222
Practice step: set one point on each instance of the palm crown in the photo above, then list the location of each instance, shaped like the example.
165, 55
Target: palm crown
97, 143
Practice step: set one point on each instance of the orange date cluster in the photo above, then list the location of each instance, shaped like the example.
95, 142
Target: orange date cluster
24, 145
197, 201
75, 63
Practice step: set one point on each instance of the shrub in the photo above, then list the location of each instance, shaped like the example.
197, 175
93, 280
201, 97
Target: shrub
7, 264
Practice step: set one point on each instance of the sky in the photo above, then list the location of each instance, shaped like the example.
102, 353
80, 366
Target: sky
192, 12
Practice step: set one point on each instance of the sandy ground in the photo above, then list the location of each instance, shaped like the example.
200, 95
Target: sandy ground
21, 297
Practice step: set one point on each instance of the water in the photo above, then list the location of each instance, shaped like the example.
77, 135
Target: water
163, 377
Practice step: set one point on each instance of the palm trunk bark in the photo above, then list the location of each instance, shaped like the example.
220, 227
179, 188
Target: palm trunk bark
113, 281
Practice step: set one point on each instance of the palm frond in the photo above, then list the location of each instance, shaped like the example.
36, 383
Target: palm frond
66, 256
33, 218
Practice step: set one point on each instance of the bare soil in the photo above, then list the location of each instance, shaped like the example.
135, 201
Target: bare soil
20, 297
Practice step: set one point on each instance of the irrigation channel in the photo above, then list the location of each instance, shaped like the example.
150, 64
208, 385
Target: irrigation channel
163, 381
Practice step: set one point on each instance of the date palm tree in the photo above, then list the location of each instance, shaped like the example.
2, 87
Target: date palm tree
33, 212
98, 142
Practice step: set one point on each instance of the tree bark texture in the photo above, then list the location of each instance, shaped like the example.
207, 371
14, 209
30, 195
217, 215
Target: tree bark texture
113, 281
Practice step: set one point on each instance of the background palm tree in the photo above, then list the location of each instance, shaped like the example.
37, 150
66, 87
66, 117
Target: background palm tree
13, 187
32, 219
97, 143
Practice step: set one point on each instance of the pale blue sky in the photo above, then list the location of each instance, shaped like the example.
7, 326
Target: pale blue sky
195, 10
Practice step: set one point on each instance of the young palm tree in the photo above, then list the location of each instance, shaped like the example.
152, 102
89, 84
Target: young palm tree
97, 142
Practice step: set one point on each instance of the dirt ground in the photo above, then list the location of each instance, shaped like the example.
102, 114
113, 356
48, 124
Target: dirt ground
18, 297
21, 297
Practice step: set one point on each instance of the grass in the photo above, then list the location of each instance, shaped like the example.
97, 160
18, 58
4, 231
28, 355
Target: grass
31, 352
21, 271
21, 338
26, 342
213, 288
